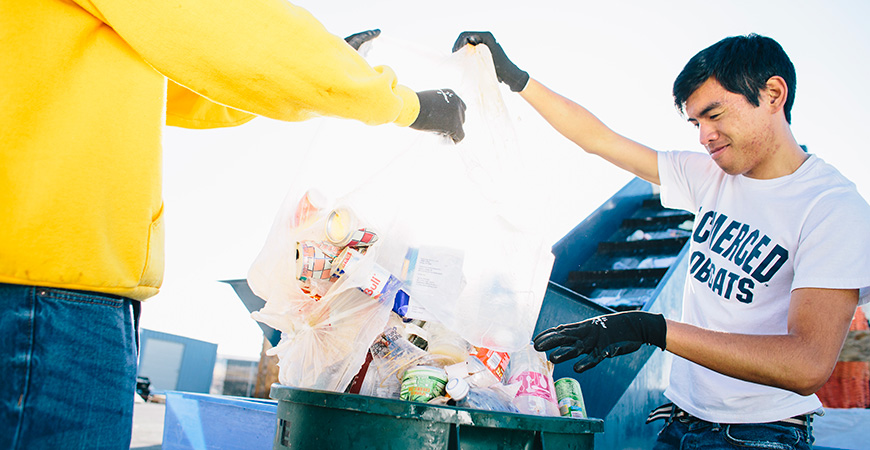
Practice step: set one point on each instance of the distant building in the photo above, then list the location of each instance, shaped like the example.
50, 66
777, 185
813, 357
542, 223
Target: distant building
235, 377
176, 363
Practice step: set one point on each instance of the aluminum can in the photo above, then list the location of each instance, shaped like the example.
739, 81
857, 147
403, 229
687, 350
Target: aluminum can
570, 398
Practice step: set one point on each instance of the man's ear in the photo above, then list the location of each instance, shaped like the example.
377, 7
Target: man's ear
775, 93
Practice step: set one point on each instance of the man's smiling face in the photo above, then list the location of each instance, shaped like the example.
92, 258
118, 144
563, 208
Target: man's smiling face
737, 134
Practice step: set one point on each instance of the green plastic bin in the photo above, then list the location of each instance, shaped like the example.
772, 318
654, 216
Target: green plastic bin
320, 420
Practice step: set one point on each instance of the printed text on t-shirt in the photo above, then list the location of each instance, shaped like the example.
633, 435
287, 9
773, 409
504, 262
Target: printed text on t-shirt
753, 259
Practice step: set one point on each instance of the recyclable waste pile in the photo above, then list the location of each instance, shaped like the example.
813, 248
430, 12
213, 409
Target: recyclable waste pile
347, 299
425, 281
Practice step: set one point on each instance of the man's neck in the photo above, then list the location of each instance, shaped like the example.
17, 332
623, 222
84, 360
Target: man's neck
784, 158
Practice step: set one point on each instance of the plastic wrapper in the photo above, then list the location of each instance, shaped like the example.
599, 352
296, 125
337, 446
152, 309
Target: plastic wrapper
485, 398
392, 354
531, 370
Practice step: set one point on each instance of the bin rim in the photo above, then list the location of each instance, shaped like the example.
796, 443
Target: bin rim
423, 411
259, 404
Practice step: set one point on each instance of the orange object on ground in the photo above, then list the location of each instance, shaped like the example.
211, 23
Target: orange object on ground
849, 385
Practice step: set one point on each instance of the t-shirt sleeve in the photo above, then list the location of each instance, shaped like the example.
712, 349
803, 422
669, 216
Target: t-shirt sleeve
682, 174
834, 251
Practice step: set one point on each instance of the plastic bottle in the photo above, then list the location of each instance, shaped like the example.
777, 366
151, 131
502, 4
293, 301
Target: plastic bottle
489, 399
536, 395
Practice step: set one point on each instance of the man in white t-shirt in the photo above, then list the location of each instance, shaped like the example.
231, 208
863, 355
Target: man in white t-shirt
778, 260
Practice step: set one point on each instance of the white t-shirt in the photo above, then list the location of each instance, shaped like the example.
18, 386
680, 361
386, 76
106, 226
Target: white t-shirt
753, 242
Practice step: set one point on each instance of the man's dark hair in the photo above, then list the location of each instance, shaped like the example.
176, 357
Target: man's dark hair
742, 65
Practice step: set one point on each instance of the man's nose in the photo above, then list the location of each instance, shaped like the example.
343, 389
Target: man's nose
707, 134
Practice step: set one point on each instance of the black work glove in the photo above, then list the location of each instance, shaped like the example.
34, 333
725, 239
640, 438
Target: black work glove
441, 111
506, 71
358, 39
603, 337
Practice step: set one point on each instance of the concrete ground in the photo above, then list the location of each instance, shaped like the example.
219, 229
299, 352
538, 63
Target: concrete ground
147, 426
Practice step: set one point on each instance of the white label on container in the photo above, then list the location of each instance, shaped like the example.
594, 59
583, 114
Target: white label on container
435, 275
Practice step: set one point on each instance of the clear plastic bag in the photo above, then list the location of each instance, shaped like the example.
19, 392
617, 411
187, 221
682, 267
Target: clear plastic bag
320, 344
328, 315
458, 211
459, 228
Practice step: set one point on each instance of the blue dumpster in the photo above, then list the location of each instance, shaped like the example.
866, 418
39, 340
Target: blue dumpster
590, 263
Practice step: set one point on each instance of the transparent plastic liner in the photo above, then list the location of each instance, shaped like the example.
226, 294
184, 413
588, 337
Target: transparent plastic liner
319, 347
465, 202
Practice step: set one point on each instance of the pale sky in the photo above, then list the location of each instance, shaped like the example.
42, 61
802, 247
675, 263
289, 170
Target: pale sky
223, 188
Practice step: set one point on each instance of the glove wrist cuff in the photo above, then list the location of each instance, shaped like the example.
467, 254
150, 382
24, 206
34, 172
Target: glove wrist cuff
657, 331
519, 82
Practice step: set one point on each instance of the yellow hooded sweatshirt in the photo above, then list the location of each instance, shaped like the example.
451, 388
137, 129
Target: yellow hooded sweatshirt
83, 98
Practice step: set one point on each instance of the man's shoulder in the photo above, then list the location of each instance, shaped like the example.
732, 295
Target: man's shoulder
832, 185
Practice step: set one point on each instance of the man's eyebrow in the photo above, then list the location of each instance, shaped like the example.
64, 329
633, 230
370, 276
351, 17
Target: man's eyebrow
706, 110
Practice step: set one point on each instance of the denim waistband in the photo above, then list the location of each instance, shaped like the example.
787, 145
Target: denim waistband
672, 411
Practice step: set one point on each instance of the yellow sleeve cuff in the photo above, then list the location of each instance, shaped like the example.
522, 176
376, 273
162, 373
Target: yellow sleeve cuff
410, 106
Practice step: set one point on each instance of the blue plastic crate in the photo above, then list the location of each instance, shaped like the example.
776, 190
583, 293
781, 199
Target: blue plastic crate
210, 422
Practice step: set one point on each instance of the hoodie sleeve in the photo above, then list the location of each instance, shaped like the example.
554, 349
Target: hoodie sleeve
263, 57
187, 109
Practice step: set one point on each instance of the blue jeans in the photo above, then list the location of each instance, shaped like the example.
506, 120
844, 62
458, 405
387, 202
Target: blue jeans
67, 368
696, 434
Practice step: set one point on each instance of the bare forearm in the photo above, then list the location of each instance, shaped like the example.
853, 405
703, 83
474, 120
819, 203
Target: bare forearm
584, 129
785, 361
800, 360
568, 118
792, 361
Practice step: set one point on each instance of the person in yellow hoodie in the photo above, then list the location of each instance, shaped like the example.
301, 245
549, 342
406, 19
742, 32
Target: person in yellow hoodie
85, 88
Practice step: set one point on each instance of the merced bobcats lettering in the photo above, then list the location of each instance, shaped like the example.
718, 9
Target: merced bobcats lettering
750, 256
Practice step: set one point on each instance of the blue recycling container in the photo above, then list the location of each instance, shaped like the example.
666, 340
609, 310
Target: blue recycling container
210, 422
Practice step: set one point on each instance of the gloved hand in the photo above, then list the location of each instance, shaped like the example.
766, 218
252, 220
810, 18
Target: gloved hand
603, 337
506, 71
441, 111
358, 39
